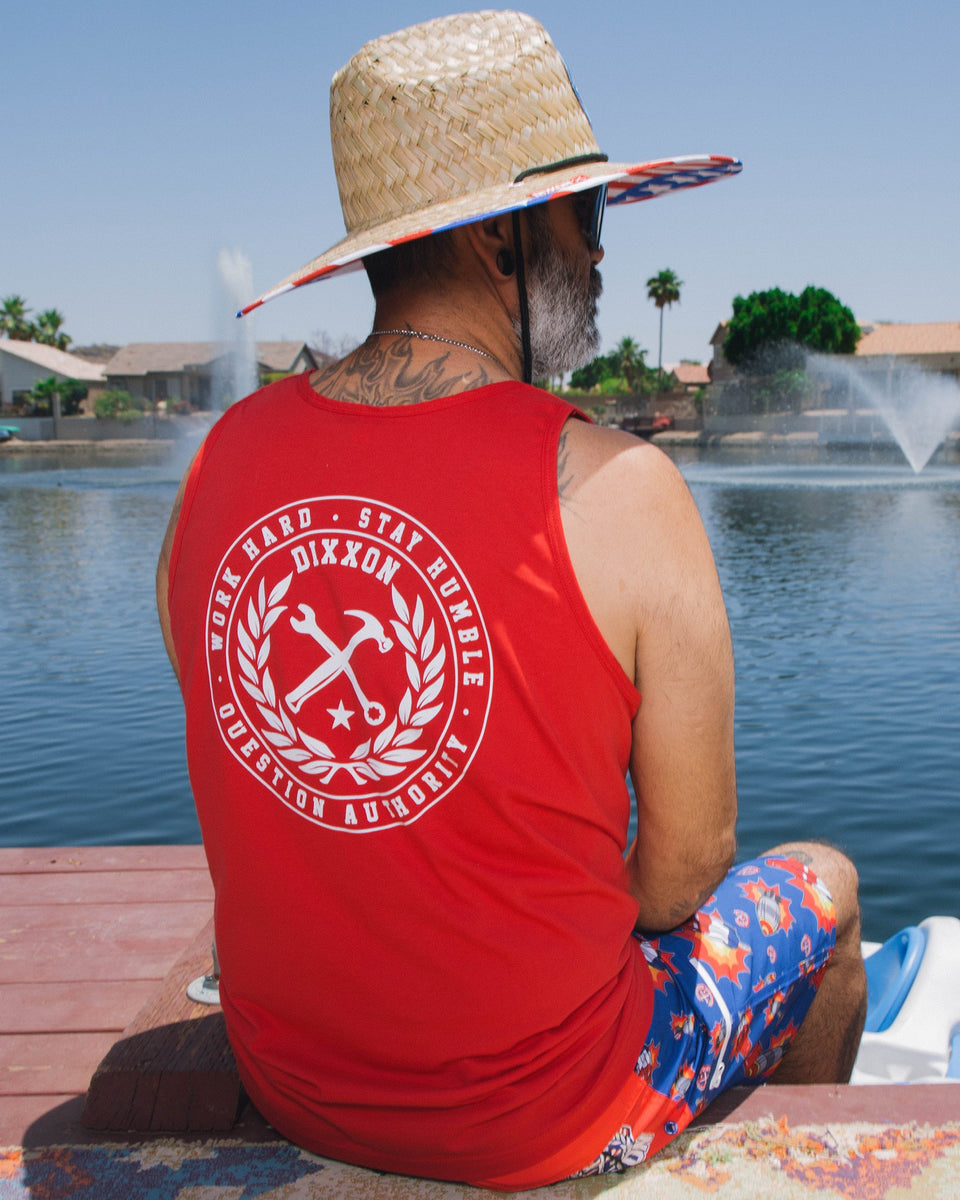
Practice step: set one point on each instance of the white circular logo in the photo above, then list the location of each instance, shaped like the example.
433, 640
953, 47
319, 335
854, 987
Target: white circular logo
349, 664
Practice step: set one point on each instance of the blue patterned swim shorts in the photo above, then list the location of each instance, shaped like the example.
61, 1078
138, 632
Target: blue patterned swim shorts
731, 988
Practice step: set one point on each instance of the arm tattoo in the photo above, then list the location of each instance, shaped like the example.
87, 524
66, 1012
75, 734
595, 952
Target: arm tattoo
798, 855
681, 911
385, 375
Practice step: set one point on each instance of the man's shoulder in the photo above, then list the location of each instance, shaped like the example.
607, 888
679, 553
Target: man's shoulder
623, 460
612, 481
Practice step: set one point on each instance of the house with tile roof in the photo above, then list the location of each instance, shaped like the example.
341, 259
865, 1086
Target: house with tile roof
720, 370
689, 375
25, 364
200, 373
935, 346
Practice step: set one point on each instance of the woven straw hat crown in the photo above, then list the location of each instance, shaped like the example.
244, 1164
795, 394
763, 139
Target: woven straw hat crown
435, 125
446, 109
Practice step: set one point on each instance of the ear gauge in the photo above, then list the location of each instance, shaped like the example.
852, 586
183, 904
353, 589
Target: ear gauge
505, 263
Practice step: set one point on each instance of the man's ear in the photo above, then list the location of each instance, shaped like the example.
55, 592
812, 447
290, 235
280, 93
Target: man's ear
492, 241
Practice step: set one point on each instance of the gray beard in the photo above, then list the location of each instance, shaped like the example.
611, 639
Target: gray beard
563, 315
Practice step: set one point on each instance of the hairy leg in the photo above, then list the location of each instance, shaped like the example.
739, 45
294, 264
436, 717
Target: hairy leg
826, 1046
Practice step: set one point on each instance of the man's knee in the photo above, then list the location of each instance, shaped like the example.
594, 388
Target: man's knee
839, 875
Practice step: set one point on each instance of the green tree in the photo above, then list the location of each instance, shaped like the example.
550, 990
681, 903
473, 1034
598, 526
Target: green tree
115, 402
621, 371
824, 324
71, 392
594, 373
47, 329
765, 322
41, 396
13, 319
663, 289
630, 363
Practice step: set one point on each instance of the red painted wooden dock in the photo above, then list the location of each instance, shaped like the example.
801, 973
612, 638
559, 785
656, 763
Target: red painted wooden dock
86, 936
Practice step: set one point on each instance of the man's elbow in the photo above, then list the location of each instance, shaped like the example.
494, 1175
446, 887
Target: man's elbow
726, 854
722, 857
689, 888
705, 868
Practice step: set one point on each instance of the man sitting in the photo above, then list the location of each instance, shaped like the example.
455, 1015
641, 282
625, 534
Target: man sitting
425, 619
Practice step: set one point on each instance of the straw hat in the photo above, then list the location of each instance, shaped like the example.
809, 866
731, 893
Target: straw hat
456, 119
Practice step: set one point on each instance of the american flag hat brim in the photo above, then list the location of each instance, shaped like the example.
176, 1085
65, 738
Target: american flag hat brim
626, 184
462, 118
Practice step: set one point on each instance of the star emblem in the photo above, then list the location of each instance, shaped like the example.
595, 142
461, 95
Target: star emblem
341, 715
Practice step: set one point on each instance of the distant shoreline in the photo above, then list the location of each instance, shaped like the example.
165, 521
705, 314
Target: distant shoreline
146, 446
755, 437
161, 447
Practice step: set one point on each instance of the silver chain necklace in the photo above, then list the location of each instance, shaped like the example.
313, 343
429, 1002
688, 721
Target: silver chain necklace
435, 337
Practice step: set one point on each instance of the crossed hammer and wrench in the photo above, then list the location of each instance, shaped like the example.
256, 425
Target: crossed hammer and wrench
339, 661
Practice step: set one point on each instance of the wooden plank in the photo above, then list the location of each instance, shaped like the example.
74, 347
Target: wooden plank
76, 1007
38, 1120
18, 860
30, 889
85, 934
56, 1121
173, 1069
826, 1103
51, 943
50, 1063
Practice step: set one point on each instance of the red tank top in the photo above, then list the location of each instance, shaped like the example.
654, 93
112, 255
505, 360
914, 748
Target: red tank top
407, 742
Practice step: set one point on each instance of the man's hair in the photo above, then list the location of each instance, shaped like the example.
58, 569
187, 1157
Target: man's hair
411, 264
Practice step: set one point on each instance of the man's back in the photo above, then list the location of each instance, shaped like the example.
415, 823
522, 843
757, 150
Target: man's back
410, 779
644, 566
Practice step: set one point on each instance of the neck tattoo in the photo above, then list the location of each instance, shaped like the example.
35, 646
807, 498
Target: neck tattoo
435, 337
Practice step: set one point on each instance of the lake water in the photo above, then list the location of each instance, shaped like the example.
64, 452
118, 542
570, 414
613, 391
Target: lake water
842, 578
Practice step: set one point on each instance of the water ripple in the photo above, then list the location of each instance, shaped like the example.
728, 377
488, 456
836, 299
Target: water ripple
841, 579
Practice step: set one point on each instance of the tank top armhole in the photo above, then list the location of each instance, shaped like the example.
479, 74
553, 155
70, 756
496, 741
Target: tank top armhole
189, 495
561, 554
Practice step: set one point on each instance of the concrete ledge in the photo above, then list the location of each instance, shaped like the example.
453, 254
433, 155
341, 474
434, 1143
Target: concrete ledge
739, 1160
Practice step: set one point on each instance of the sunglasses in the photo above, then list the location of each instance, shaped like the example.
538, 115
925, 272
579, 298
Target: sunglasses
589, 206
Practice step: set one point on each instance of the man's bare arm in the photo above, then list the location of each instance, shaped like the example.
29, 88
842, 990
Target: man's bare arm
682, 762
647, 572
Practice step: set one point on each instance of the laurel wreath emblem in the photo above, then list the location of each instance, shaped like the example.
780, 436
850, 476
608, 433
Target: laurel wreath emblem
370, 760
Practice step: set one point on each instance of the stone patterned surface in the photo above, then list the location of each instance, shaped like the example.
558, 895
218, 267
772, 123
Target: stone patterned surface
745, 1159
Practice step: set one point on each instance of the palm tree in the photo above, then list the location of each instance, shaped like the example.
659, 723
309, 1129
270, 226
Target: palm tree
48, 325
13, 319
41, 397
630, 363
663, 289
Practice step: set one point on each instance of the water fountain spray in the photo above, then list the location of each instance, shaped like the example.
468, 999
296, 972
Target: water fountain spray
919, 407
237, 376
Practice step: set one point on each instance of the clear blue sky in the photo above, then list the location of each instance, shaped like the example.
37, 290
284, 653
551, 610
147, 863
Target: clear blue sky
139, 140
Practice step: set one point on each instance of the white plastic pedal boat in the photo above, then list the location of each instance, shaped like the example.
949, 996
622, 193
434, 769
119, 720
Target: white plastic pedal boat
912, 1033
